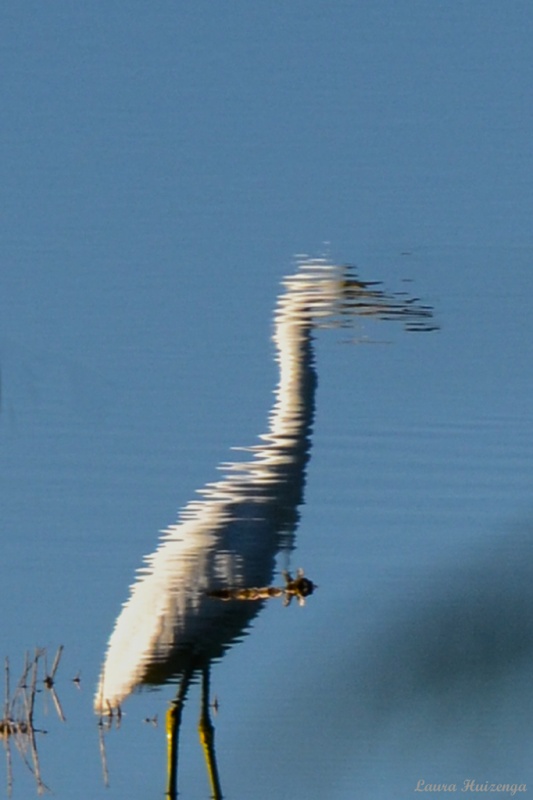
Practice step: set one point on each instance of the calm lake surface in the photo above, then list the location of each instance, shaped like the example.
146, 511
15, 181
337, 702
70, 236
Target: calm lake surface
411, 661
162, 165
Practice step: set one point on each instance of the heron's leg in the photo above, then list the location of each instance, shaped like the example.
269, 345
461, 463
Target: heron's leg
207, 737
173, 721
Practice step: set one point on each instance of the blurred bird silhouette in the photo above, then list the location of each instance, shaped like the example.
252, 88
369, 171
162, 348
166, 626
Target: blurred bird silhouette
173, 625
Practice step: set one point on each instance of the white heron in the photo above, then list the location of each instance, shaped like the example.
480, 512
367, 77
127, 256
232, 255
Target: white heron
174, 625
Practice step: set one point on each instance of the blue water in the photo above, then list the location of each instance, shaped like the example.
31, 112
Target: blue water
411, 660
160, 169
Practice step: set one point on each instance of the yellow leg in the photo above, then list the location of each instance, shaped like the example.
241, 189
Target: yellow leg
207, 738
173, 722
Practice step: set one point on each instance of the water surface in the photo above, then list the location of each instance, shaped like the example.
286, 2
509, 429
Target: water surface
410, 660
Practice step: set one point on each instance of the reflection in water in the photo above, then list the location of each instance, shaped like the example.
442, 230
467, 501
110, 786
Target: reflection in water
438, 687
17, 726
174, 623
299, 587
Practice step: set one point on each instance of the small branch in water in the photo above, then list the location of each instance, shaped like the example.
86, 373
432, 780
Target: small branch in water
17, 724
49, 682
